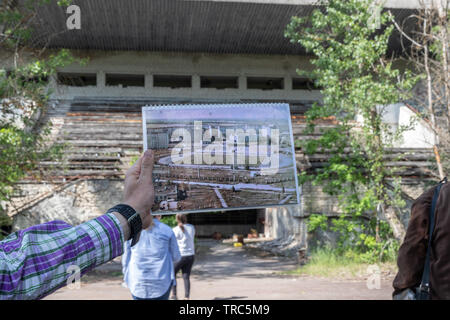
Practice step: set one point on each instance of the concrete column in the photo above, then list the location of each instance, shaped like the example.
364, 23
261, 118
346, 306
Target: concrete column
288, 83
260, 220
242, 82
101, 80
285, 222
268, 223
148, 81
195, 82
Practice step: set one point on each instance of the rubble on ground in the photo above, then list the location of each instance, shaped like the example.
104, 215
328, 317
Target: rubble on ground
287, 247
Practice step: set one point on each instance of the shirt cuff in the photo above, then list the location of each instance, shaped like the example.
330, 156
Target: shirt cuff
107, 236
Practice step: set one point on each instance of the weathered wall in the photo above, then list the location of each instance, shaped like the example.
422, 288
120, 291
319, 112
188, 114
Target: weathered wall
398, 115
286, 223
79, 202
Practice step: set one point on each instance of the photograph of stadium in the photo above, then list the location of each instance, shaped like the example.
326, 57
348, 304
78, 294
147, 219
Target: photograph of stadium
221, 157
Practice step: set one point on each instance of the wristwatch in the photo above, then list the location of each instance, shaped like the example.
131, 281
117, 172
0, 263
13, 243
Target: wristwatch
133, 218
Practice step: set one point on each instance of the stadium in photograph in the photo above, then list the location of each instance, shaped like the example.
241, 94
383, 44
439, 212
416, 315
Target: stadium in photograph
221, 157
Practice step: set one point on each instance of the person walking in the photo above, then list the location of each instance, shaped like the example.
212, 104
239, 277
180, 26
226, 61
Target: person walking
148, 267
184, 233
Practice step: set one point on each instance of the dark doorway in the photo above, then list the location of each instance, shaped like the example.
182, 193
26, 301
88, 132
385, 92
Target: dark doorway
226, 223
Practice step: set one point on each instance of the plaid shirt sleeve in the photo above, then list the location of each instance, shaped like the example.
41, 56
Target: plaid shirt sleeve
34, 262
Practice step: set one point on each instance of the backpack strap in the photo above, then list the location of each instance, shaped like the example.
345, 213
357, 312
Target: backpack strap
425, 283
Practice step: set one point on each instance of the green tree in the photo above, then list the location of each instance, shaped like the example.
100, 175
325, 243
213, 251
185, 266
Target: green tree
357, 80
24, 77
170, 220
430, 55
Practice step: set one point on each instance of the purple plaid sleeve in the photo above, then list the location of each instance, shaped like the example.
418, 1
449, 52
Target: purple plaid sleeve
34, 262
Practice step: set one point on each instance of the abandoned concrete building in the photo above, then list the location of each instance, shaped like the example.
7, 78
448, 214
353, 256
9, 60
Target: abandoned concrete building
160, 52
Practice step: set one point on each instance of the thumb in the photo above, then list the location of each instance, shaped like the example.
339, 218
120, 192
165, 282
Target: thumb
135, 169
147, 167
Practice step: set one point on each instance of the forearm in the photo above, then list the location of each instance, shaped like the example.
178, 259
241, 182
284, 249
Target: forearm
34, 262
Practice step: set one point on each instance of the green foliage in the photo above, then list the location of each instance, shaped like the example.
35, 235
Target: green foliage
4, 221
356, 81
170, 220
326, 262
16, 22
64, 3
316, 221
357, 240
133, 160
24, 93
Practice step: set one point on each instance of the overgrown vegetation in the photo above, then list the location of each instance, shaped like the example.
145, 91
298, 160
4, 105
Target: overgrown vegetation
170, 220
430, 56
24, 76
326, 262
356, 245
358, 80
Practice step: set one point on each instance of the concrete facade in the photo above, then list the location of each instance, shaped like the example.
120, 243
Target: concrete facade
401, 115
87, 198
74, 203
195, 65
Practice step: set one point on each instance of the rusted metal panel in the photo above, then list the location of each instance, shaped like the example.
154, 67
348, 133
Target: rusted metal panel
178, 26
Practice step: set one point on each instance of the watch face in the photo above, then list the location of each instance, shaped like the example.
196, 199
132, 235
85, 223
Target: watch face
136, 227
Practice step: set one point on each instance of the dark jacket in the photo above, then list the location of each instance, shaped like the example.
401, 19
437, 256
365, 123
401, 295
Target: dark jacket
411, 256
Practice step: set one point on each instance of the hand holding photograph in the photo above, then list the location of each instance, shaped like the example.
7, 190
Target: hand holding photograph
221, 157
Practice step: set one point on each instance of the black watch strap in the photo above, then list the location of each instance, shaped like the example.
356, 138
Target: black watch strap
133, 218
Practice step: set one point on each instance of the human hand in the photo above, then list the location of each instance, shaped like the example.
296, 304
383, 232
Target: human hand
139, 192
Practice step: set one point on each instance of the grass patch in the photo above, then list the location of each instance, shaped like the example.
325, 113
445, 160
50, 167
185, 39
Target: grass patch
326, 263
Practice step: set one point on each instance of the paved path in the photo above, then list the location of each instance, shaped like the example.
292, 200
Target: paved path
224, 272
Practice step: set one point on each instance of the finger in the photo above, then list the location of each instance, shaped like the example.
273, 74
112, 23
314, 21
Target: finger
135, 169
147, 167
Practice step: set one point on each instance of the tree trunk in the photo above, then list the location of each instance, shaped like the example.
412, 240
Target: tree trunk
430, 105
396, 225
439, 163
443, 21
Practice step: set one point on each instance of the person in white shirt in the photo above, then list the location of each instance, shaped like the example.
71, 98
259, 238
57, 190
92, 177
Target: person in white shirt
184, 233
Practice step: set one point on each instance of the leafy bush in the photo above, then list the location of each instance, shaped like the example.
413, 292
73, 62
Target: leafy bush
356, 239
326, 262
171, 221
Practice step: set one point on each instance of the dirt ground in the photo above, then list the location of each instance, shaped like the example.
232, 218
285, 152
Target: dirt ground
223, 272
